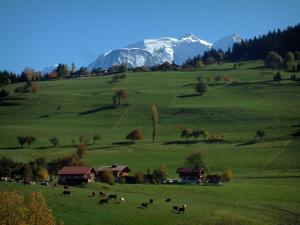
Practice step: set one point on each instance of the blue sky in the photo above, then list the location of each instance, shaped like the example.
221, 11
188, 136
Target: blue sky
39, 33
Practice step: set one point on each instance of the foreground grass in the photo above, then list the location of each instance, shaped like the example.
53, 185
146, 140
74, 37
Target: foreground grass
252, 201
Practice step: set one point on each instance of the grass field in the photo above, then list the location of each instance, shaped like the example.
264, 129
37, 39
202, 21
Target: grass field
267, 173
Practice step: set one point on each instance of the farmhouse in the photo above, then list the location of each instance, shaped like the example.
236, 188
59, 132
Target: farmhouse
74, 175
189, 175
118, 171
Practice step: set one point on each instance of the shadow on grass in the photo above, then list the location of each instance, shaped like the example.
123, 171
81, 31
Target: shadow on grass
12, 148
99, 109
9, 103
247, 143
188, 96
123, 143
180, 142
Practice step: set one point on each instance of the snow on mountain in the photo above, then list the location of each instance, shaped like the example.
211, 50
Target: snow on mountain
150, 52
227, 42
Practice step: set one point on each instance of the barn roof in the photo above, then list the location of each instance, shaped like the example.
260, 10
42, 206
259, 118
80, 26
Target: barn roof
188, 170
75, 170
113, 167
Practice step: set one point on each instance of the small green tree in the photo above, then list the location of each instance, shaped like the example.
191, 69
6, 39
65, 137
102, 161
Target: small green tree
120, 94
260, 134
30, 140
135, 135
54, 141
197, 160
289, 60
96, 137
186, 133
22, 140
201, 87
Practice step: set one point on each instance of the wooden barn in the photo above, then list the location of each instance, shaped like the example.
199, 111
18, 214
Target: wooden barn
189, 175
76, 175
117, 170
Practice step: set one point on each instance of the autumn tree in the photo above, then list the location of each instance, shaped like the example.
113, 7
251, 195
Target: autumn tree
159, 175
121, 94
134, 135
96, 137
82, 149
107, 177
43, 173
38, 213
186, 133
227, 174
12, 208
154, 122
139, 177
289, 60
201, 87
27, 171
54, 141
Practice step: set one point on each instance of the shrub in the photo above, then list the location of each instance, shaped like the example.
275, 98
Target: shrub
134, 135
107, 177
96, 137
3, 93
293, 77
30, 140
186, 133
82, 149
21, 140
201, 88
29, 87
260, 134
54, 141
226, 78
139, 177
43, 174
277, 76
227, 174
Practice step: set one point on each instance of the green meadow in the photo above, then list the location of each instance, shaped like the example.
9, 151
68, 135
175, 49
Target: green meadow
266, 184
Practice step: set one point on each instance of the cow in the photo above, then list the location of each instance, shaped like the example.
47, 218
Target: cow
151, 201
168, 200
102, 194
112, 197
181, 209
102, 201
65, 193
175, 208
93, 194
144, 205
66, 187
122, 200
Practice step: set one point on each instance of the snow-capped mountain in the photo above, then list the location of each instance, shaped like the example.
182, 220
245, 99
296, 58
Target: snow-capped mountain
227, 42
150, 52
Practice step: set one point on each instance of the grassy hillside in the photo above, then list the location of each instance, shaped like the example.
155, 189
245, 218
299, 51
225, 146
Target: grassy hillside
251, 101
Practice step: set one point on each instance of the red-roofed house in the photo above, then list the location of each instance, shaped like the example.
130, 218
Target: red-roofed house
189, 175
76, 175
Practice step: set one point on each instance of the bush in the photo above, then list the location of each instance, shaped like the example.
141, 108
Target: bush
293, 77
107, 177
82, 149
277, 77
201, 88
134, 135
54, 141
139, 177
227, 175
4, 93
29, 87
96, 137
